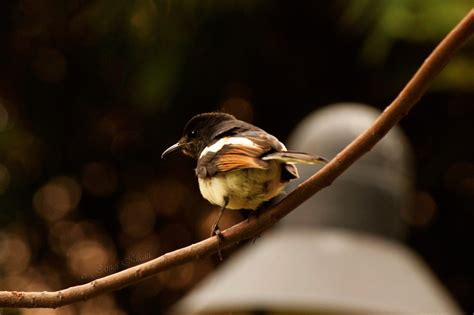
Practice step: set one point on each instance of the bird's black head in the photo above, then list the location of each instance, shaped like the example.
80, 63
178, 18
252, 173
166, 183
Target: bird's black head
200, 131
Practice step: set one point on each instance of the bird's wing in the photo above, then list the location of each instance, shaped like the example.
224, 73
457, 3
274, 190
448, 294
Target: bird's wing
241, 151
251, 149
295, 157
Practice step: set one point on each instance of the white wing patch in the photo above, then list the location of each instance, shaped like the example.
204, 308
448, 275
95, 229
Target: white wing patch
228, 141
284, 148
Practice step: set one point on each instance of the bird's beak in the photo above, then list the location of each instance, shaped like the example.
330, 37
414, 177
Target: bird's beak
173, 148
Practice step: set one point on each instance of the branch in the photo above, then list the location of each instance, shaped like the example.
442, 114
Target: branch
407, 98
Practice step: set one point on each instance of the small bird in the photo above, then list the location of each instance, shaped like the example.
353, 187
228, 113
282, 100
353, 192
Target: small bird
239, 166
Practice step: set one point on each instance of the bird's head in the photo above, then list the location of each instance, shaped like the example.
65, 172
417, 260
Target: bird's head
200, 131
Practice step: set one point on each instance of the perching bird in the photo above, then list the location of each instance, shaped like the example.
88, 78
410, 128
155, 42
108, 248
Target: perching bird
239, 166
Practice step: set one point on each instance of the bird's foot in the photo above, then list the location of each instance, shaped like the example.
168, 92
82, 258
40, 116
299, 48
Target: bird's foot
217, 232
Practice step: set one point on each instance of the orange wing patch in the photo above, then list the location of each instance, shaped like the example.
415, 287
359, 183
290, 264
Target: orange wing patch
240, 157
233, 157
231, 162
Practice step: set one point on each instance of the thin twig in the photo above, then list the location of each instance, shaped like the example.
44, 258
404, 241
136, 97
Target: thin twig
392, 114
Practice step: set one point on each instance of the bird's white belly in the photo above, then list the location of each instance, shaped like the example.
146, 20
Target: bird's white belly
245, 189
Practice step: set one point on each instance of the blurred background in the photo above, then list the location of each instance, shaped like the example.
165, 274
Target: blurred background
91, 93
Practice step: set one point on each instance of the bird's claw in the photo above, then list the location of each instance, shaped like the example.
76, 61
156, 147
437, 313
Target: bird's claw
217, 232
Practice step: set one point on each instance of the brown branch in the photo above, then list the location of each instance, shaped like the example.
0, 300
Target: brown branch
392, 114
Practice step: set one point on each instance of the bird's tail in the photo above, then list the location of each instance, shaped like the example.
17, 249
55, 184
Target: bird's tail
295, 157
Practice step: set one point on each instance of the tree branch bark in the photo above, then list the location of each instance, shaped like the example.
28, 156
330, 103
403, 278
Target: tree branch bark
407, 98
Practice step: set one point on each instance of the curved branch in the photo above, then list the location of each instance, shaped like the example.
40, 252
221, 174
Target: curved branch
391, 115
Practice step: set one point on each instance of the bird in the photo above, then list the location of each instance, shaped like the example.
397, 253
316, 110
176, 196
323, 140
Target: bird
239, 165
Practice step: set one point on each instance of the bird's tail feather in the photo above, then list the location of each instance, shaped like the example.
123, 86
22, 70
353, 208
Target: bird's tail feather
295, 157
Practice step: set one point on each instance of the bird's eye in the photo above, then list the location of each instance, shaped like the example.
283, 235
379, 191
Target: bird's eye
193, 134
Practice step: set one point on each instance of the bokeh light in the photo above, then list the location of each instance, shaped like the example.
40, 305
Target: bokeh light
58, 197
423, 210
139, 251
63, 234
89, 258
15, 253
167, 195
136, 215
32, 279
